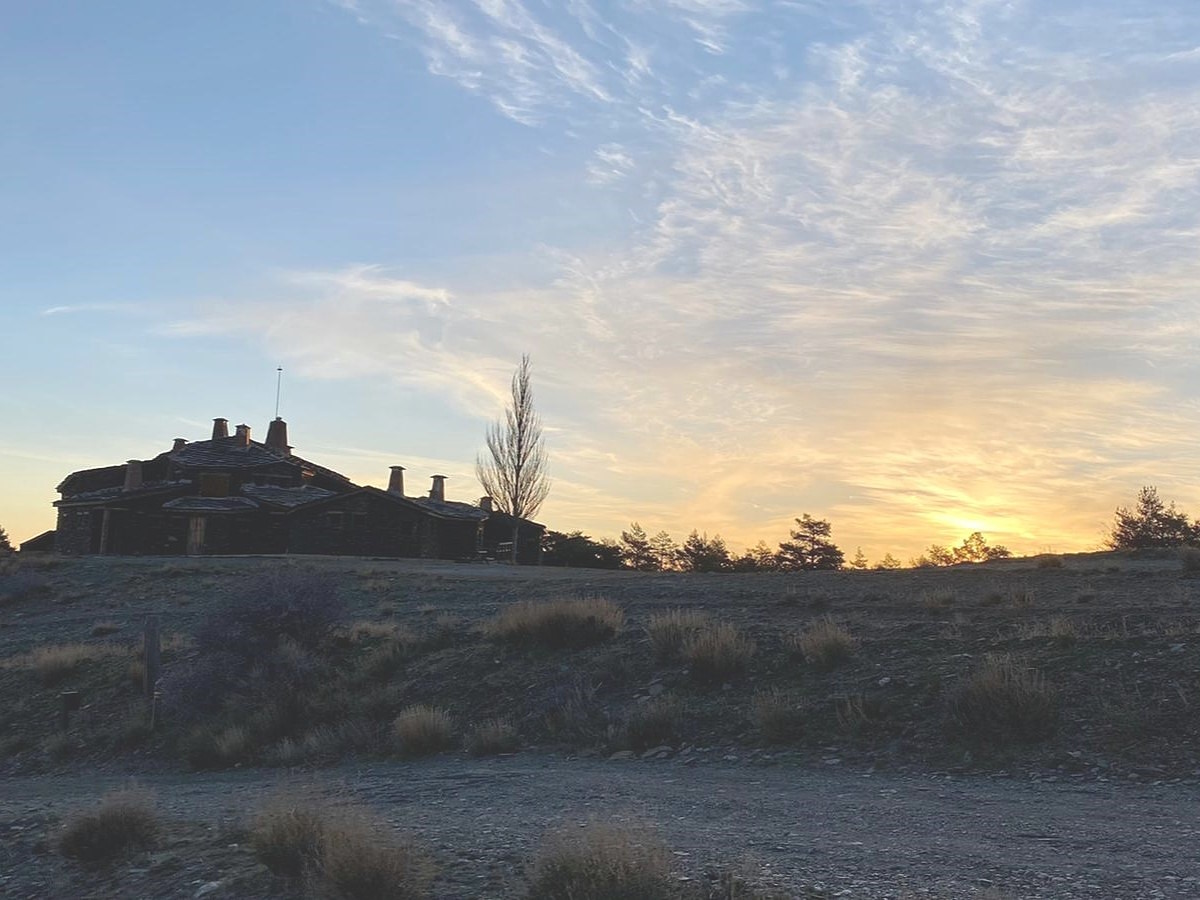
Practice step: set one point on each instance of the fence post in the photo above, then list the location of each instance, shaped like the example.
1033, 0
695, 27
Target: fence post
152, 654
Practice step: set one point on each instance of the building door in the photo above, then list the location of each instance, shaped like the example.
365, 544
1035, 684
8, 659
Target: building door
195, 543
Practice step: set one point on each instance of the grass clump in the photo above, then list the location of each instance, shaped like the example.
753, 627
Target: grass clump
492, 738
936, 601
422, 731
779, 716
669, 631
718, 652
602, 862
100, 629
558, 624
56, 662
653, 724
124, 820
1002, 702
344, 853
825, 644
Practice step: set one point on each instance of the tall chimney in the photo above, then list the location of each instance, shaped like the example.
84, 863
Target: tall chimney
220, 429
277, 435
485, 503
179, 444
133, 475
396, 481
243, 435
438, 490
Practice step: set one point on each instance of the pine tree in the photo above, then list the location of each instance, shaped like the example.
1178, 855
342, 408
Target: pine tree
6, 547
860, 560
636, 551
810, 547
664, 548
1152, 524
888, 562
699, 553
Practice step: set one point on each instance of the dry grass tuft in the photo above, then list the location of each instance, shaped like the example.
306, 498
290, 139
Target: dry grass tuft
56, 662
825, 644
602, 862
100, 629
1049, 561
718, 652
653, 723
1021, 597
422, 731
1003, 702
670, 630
493, 737
936, 601
1059, 629
344, 853
779, 716
124, 820
558, 624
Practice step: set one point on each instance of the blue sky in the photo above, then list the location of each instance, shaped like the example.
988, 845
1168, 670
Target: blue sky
919, 268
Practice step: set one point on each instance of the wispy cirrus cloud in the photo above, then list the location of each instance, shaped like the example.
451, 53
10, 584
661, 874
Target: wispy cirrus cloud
926, 270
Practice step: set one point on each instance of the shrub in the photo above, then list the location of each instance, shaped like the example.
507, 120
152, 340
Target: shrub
1003, 702
825, 644
653, 723
718, 652
54, 663
935, 601
359, 862
558, 623
1189, 559
571, 712
343, 853
602, 862
493, 737
422, 731
19, 584
300, 606
216, 746
669, 631
286, 837
100, 629
1050, 561
124, 820
779, 716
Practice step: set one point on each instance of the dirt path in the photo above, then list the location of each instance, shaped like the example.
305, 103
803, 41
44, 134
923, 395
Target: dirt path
858, 835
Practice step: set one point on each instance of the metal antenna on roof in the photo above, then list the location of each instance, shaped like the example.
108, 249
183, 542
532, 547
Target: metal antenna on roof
278, 388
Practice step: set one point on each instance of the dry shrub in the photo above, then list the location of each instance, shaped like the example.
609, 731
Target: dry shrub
602, 862
366, 630
1049, 561
778, 715
669, 631
571, 712
718, 652
217, 746
325, 744
493, 737
1060, 629
422, 731
124, 820
100, 629
358, 862
1003, 702
1021, 597
935, 601
856, 714
56, 662
389, 655
653, 723
558, 623
825, 644
343, 853
1189, 559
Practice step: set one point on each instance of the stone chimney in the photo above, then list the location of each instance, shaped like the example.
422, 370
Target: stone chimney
220, 429
133, 475
396, 481
438, 490
179, 444
242, 436
277, 436
485, 503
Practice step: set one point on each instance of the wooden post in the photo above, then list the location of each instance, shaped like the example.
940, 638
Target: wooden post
152, 654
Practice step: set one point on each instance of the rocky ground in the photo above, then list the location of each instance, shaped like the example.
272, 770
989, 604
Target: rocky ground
877, 796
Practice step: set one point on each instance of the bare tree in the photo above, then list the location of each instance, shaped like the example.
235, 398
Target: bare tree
513, 473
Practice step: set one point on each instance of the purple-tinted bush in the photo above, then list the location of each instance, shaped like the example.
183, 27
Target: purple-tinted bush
300, 606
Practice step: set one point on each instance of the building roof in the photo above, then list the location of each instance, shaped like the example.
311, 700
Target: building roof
286, 497
449, 509
211, 504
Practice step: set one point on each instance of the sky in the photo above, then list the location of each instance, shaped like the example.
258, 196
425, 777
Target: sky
916, 267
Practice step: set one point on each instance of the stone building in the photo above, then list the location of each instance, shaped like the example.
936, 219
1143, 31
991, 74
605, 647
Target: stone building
235, 495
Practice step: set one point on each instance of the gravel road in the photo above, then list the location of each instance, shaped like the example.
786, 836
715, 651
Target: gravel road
853, 834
